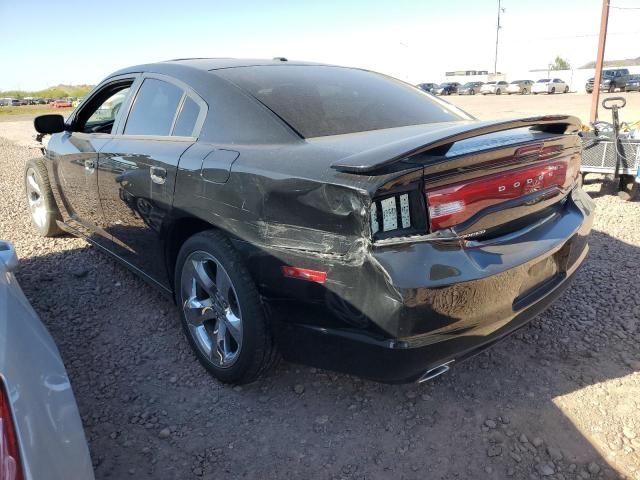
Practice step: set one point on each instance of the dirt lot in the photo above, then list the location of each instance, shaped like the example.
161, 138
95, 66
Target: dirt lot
560, 399
578, 104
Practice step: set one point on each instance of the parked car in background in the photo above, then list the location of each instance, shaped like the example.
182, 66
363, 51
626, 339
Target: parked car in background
497, 88
549, 85
612, 79
428, 87
447, 88
295, 206
41, 101
14, 102
61, 104
470, 88
633, 83
41, 434
523, 87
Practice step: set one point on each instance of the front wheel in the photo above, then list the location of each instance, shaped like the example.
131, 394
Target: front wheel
566, 89
221, 311
553, 90
525, 91
498, 92
42, 206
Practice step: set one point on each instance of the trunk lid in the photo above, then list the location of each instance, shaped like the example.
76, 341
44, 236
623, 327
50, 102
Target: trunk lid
476, 180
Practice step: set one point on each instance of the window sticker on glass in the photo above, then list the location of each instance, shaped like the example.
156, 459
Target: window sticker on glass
389, 214
404, 210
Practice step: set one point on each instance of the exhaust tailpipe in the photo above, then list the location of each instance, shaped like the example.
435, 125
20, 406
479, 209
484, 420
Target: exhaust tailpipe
435, 372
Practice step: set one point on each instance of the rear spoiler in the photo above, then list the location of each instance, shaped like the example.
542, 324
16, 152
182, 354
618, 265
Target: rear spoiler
439, 142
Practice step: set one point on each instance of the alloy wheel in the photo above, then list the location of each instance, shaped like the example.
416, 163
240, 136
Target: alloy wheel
211, 309
36, 200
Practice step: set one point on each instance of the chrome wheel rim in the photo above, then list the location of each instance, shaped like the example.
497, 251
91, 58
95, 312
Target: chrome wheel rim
211, 309
35, 199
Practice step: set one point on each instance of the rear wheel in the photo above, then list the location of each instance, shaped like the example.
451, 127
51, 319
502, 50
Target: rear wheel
553, 90
42, 206
498, 92
566, 89
222, 315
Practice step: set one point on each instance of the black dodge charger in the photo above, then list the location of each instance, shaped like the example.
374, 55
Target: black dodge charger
334, 216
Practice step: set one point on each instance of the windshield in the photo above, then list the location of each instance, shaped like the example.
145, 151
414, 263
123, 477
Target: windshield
516, 82
319, 100
544, 80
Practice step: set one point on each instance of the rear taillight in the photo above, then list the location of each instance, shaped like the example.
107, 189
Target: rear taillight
10, 468
454, 204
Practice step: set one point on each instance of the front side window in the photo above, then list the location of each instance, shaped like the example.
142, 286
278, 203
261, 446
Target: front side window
104, 116
154, 108
321, 100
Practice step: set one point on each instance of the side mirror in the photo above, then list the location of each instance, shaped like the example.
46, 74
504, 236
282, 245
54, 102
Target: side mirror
49, 124
8, 256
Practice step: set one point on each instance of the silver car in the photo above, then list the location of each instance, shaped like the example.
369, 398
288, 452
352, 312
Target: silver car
523, 87
497, 88
41, 434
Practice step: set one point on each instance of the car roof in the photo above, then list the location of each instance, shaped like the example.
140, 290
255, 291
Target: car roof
209, 64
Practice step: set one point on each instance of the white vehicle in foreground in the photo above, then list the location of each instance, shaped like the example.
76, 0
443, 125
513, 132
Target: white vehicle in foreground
549, 85
41, 435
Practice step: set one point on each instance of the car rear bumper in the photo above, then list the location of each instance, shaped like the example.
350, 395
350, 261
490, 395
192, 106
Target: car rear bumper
438, 304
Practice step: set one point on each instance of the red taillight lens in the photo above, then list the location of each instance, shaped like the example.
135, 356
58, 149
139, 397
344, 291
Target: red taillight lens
10, 468
453, 204
304, 274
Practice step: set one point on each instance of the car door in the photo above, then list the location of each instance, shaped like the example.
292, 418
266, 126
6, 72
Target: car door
74, 156
137, 170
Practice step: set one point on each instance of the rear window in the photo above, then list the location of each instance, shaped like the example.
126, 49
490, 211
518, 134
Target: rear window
319, 100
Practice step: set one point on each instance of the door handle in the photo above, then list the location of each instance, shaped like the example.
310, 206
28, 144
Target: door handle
89, 165
158, 175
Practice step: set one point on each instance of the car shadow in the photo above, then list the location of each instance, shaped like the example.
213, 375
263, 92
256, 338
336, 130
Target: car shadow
607, 185
549, 401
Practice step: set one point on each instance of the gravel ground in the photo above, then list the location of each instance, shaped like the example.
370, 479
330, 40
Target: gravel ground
560, 399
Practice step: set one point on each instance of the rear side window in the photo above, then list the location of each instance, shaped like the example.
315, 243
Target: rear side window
186, 122
320, 100
154, 108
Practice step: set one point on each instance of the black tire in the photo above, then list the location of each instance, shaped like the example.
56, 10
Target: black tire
535, 93
44, 221
257, 352
553, 90
629, 189
498, 92
566, 89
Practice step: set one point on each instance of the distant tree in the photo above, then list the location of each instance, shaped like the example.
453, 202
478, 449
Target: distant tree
560, 64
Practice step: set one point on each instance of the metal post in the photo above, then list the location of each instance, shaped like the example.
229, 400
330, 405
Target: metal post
595, 95
495, 62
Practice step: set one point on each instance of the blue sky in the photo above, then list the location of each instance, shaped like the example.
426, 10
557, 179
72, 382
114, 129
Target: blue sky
44, 43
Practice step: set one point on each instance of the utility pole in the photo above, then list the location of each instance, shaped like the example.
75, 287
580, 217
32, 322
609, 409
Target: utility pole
495, 62
595, 95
